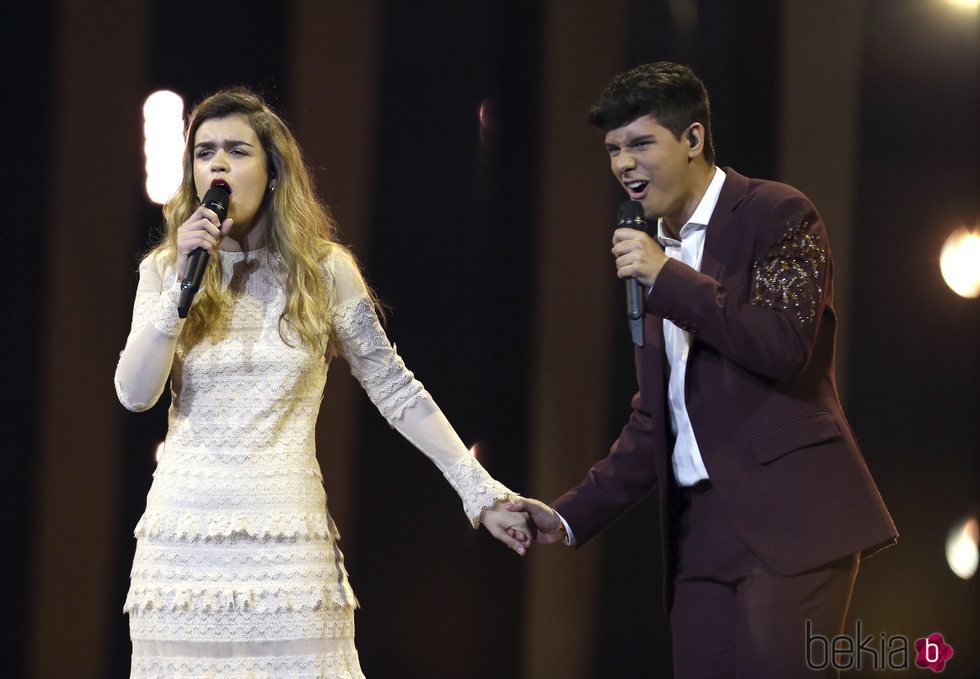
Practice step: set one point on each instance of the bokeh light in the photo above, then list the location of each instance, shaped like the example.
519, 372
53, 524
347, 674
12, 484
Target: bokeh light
959, 262
962, 553
163, 131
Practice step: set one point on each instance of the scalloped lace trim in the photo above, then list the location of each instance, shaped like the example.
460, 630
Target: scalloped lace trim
164, 317
239, 598
192, 526
375, 363
358, 326
476, 487
341, 665
393, 388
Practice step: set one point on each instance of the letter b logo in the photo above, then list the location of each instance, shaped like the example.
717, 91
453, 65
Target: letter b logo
932, 651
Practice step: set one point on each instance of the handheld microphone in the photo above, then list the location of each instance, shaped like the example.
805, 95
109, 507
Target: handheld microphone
216, 199
631, 216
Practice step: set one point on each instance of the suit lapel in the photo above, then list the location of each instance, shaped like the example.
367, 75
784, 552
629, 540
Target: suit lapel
721, 232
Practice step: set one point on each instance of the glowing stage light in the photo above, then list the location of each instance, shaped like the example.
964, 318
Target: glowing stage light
488, 122
163, 130
961, 548
484, 113
959, 262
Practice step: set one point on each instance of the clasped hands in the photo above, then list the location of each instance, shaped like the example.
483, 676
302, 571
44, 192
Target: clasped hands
521, 523
524, 521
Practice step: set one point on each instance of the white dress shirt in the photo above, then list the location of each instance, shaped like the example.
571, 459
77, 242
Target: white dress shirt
688, 465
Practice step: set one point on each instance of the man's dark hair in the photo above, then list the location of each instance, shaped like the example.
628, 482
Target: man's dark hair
669, 92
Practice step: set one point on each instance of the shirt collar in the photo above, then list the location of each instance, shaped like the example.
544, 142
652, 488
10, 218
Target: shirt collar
702, 213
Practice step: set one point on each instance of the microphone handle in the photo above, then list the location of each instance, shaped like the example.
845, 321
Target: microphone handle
197, 262
634, 299
634, 310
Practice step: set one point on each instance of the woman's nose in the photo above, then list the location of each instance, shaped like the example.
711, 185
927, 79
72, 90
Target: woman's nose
219, 162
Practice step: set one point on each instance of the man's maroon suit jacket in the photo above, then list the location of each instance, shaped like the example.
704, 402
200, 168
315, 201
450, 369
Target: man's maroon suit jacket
760, 392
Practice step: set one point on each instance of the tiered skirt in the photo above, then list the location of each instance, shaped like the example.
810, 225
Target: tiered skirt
223, 595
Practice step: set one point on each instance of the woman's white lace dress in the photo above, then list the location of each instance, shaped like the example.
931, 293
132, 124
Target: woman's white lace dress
237, 570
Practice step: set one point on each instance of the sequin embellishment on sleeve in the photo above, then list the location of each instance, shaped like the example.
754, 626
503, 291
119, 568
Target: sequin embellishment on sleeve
790, 278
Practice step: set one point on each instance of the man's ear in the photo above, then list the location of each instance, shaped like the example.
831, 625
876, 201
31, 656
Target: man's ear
695, 136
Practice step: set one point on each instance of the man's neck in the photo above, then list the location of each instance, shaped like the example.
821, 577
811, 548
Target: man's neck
701, 176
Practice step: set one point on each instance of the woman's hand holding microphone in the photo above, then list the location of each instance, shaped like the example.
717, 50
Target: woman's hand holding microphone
202, 229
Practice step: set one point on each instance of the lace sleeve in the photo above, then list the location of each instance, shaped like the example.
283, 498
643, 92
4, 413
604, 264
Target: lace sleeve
373, 360
145, 361
427, 428
401, 398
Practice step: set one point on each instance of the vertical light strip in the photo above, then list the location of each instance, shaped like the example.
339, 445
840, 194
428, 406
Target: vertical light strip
95, 202
818, 140
163, 144
332, 110
569, 407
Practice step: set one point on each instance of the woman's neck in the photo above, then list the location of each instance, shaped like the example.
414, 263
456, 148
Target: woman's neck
250, 237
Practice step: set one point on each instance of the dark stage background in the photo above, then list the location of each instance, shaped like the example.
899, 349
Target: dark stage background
488, 238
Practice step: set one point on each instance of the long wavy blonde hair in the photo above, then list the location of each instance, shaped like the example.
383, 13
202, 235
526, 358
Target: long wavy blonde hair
300, 231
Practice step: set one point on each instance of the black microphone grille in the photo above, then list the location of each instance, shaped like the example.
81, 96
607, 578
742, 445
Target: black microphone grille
631, 212
216, 199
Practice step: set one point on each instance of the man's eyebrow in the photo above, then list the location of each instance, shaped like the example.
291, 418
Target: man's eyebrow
229, 142
632, 141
